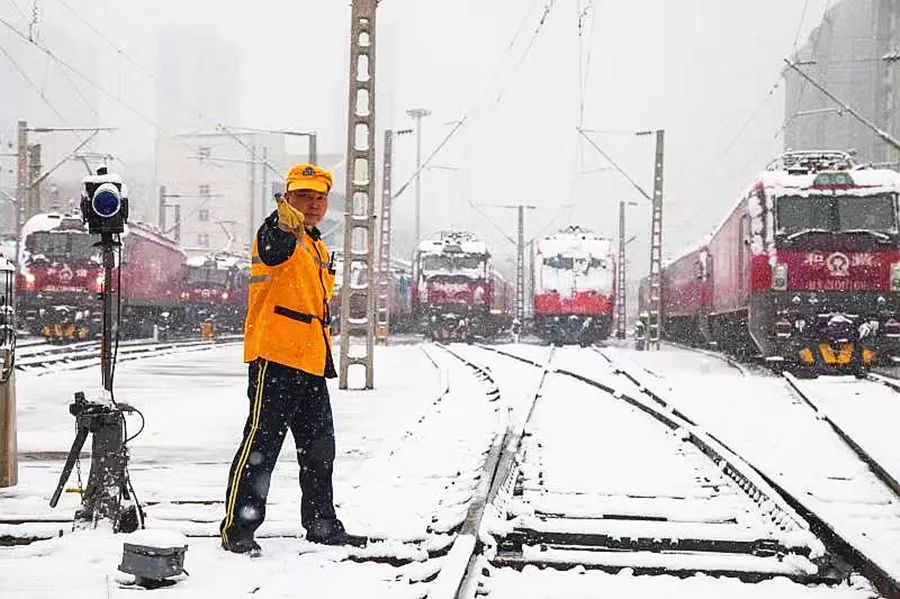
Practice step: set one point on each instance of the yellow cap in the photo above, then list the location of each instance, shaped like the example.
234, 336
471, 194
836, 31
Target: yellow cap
308, 176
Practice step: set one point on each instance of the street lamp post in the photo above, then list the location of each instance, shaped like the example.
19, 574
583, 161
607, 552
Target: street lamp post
418, 114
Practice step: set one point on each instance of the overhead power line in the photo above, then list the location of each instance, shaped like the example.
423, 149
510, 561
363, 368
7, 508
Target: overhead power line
81, 75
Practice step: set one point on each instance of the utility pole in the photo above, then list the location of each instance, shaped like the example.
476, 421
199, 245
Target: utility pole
313, 148
358, 324
252, 219
162, 208
265, 186
178, 223
22, 177
34, 189
383, 307
655, 324
418, 114
620, 282
520, 254
520, 267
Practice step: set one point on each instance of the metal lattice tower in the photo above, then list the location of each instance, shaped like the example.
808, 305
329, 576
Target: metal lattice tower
383, 307
655, 324
520, 267
620, 277
359, 288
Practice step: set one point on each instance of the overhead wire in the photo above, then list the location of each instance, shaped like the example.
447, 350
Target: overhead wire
34, 86
767, 97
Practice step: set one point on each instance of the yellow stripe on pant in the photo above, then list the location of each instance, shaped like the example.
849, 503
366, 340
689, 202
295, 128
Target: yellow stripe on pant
245, 452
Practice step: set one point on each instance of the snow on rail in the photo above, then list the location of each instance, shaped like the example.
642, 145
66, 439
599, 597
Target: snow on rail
765, 420
560, 512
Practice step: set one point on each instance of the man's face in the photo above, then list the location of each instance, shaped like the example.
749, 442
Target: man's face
313, 204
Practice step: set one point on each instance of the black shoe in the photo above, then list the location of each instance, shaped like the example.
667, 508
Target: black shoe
331, 532
248, 546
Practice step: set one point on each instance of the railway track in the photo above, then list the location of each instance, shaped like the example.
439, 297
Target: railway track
791, 430
40, 356
572, 482
416, 497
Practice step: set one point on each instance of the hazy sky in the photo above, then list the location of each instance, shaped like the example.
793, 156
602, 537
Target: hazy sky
700, 69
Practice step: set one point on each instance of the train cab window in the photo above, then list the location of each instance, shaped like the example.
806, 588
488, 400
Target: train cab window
61, 246
797, 214
598, 263
560, 262
866, 213
436, 262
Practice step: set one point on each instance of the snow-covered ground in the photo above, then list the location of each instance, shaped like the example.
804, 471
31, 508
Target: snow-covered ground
594, 465
405, 468
757, 414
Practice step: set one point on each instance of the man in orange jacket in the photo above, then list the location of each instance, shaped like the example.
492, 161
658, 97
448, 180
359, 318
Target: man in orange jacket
287, 343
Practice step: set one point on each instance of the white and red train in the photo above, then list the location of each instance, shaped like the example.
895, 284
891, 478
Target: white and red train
456, 292
805, 269
574, 286
60, 275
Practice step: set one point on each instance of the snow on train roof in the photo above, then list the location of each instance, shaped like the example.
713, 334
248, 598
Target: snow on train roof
223, 261
465, 241
51, 221
575, 240
782, 177
866, 181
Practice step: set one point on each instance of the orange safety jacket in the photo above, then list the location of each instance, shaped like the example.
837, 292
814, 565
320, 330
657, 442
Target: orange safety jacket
288, 319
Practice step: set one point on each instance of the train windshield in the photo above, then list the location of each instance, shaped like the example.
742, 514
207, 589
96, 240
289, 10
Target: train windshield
799, 215
866, 213
467, 262
447, 263
560, 262
202, 275
436, 262
875, 215
69, 247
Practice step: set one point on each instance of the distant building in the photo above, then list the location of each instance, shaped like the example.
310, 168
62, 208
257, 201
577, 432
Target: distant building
215, 193
849, 55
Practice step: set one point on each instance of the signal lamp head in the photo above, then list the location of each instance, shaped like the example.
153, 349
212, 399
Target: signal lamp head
107, 200
104, 203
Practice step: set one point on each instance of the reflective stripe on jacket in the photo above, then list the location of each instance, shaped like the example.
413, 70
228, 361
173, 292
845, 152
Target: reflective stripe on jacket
288, 320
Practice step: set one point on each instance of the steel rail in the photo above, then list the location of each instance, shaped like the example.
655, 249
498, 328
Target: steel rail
836, 543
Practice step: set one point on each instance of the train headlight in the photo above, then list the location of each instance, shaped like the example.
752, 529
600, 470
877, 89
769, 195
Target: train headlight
779, 277
29, 278
895, 276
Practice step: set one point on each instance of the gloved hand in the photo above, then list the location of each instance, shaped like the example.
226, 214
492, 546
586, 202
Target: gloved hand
290, 219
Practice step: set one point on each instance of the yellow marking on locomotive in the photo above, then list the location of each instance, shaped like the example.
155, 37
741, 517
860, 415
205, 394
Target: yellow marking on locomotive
807, 356
839, 356
843, 356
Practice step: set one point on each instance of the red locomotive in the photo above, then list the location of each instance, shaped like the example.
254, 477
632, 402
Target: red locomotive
215, 291
60, 275
456, 293
804, 270
574, 286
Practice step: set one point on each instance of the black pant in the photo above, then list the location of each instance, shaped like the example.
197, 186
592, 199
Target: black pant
281, 397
